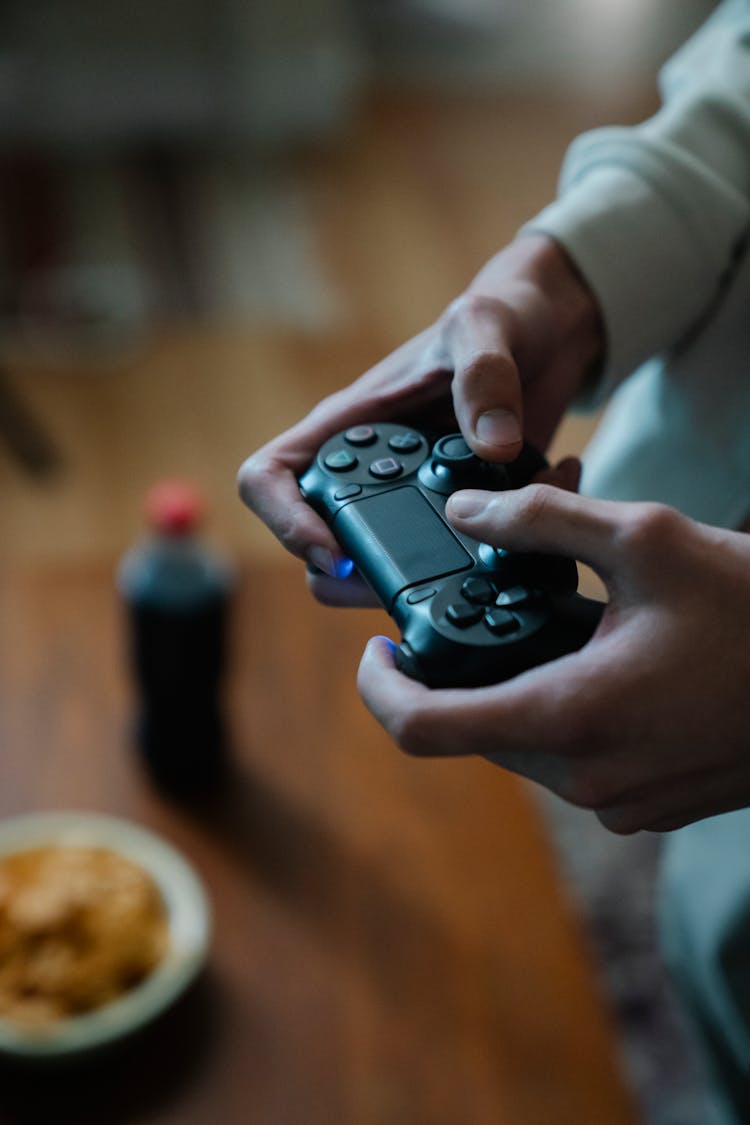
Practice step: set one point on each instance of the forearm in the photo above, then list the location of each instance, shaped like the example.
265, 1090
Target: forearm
655, 216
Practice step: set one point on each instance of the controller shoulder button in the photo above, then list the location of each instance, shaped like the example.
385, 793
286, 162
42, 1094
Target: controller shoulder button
340, 461
462, 615
501, 622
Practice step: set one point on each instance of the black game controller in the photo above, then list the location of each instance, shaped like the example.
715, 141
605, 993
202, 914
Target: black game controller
469, 614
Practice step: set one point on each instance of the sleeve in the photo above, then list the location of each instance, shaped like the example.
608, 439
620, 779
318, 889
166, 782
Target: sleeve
655, 216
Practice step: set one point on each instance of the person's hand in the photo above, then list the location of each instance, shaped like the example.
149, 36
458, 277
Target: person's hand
649, 723
503, 361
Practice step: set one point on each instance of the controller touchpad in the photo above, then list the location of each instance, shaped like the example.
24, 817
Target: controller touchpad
400, 540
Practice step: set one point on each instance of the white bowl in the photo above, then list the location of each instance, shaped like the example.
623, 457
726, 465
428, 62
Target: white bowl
188, 915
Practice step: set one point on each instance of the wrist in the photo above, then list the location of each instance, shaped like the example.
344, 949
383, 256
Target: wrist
552, 301
549, 266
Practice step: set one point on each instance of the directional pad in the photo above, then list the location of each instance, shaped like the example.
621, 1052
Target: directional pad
514, 596
479, 590
501, 622
462, 615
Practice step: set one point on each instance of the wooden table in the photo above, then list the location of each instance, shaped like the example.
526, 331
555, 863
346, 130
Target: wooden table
391, 942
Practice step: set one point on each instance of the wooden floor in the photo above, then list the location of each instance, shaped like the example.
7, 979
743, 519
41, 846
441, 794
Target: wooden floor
401, 213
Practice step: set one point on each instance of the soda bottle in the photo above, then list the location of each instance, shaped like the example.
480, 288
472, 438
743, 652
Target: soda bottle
176, 590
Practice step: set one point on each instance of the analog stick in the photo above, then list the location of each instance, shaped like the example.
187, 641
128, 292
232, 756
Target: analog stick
453, 465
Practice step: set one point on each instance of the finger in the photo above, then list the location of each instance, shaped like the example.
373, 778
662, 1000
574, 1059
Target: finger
529, 724
541, 518
486, 384
565, 474
269, 488
677, 800
387, 693
267, 480
351, 591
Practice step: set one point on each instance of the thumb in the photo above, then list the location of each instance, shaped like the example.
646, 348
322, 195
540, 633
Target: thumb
543, 518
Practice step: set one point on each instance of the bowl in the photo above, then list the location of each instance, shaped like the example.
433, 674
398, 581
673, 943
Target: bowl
188, 924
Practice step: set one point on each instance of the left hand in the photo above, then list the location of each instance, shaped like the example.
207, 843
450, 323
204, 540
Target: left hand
649, 723
502, 362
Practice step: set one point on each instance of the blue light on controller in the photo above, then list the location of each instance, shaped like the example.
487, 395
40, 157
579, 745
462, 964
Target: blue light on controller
344, 568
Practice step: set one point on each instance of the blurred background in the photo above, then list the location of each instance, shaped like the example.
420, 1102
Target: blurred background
212, 214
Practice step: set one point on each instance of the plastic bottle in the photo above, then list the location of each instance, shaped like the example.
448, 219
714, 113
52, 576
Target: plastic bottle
176, 591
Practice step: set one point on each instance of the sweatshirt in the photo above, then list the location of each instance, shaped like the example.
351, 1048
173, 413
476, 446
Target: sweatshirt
657, 219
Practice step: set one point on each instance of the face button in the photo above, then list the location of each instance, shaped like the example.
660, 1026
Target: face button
479, 590
361, 435
461, 614
501, 622
340, 461
418, 596
348, 492
407, 442
386, 468
514, 596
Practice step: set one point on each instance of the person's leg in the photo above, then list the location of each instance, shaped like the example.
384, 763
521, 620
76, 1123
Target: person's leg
704, 924
665, 438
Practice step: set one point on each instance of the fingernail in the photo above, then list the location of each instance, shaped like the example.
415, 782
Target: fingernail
464, 505
378, 642
344, 567
323, 559
498, 427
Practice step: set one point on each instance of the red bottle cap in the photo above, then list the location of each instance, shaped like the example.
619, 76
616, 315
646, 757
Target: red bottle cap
175, 507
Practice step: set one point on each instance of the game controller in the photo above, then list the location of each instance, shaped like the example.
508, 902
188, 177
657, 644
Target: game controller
469, 614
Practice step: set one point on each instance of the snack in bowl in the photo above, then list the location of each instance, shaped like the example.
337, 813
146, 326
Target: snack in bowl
102, 925
79, 927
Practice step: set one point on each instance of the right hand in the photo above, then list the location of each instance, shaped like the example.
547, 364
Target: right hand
647, 724
502, 363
